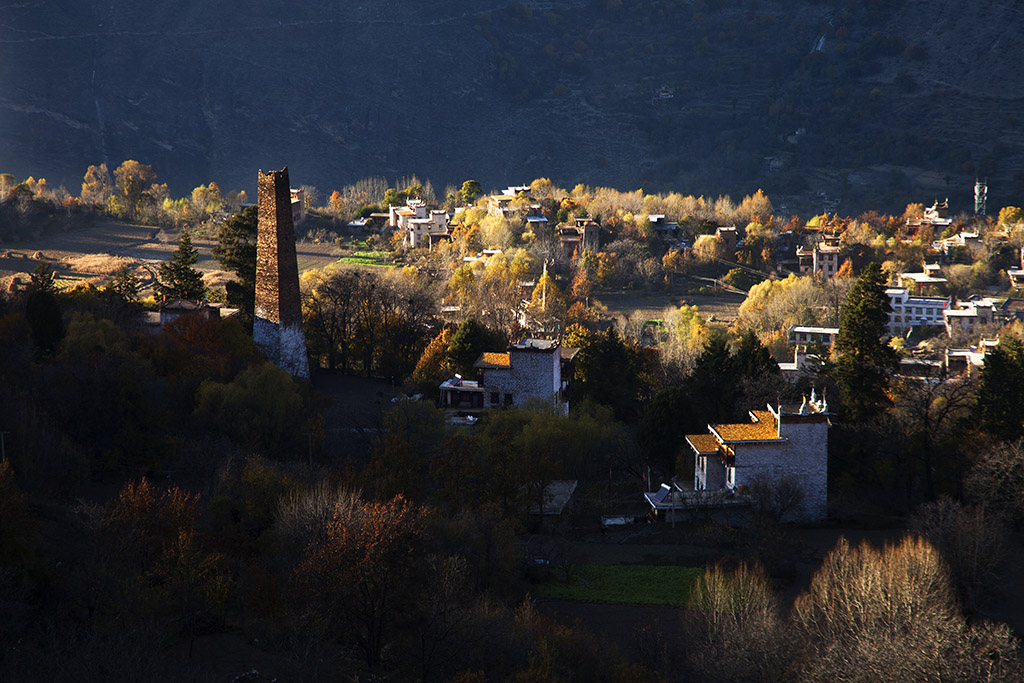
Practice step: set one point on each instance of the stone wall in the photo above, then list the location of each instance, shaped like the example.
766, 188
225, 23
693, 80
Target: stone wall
803, 456
533, 375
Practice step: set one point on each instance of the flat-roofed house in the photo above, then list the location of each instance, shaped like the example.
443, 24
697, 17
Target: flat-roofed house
914, 311
529, 372
801, 336
966, 316
785, 442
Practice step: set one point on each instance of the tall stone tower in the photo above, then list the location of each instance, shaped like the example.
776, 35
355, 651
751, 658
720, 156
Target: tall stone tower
277, 328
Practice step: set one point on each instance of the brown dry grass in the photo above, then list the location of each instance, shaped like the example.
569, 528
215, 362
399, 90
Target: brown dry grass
99, 264
218, 279
652, 304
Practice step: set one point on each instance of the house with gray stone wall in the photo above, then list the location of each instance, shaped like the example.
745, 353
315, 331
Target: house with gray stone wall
783, 442
530, 372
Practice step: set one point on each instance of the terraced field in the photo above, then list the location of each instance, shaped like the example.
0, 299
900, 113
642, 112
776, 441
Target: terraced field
79, 255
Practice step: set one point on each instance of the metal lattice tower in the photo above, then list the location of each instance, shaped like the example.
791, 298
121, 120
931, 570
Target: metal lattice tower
980, 197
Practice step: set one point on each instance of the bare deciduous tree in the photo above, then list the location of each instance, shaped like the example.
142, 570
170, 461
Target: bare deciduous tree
892, 615
733, 626
774, 499
971, 539
997, 479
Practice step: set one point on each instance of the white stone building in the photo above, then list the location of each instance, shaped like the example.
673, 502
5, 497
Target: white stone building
966, 316
914, 311
801, 336
783, 442
418, 225
531, 372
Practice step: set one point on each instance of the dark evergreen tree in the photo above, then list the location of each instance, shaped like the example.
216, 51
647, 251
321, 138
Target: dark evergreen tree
237, 253
469, 340
125, 284
43, 313
752, 359
864, 361
999, 408
713, 382
43, 310
178, 278
612, 372
43, 278
668, 417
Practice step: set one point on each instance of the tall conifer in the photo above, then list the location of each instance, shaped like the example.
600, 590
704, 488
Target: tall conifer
178, 279
864, 361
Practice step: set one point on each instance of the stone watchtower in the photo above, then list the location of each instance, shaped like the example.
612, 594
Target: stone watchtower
277, 328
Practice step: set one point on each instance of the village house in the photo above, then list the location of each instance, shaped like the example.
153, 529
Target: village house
1011, 310
173, 310
530, 372
802, 336
515, 200
960, 361
966, 316
935, 216
728, 236
803, 364
1016, 274
919, 282
659, 224
957, 241
921, 369
582, 235
298, 203
782, 443
821, 259
914, 311
419, 226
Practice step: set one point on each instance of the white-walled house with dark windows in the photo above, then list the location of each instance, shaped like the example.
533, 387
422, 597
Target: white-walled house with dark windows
914, 311
802, 336
784, 442
531, 371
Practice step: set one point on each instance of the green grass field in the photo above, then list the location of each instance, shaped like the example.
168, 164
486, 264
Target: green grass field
369, 258
667, 586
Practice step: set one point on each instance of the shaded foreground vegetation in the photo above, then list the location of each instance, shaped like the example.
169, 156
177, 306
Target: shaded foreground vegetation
162, 488
409, 565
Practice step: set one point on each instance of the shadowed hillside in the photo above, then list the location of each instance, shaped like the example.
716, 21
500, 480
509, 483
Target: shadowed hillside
872, 103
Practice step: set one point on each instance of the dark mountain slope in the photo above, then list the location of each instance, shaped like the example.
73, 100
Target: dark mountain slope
876, 103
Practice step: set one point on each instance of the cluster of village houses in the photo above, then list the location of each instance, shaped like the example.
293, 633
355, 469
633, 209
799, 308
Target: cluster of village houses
780, 443
423, 227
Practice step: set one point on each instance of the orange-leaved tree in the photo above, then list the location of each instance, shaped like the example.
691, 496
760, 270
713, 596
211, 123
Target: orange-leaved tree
361, 571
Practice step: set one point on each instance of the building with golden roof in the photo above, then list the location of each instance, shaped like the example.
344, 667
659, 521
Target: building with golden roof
784, 442
531, 371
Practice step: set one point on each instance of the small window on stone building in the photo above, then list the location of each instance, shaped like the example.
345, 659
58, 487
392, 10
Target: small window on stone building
508, 399
494, 398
